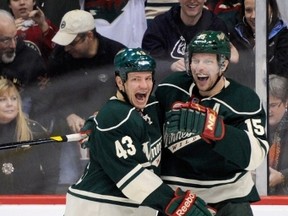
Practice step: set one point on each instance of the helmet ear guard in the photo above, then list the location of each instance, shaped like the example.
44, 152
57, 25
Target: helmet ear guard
133, 60
187, 61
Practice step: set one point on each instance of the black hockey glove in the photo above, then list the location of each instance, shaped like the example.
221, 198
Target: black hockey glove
195, 119
187, 204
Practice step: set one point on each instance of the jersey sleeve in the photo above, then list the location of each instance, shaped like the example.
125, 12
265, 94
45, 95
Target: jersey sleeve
245, 143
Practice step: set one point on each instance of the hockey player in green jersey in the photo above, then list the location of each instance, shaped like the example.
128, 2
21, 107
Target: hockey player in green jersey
214, 133
125, 152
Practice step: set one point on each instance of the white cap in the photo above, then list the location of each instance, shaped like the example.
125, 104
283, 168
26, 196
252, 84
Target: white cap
73, 23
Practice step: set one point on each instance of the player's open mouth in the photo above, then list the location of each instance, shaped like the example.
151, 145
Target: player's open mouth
202, 78
140, 96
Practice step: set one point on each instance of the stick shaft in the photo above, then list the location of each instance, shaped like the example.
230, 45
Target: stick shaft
66, 138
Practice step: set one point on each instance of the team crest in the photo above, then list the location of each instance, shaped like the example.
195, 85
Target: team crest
63, 24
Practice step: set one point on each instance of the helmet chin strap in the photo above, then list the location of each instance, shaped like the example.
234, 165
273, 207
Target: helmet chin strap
125, 97
218, 79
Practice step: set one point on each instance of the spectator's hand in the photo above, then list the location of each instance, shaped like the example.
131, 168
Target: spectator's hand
43, 81
22, 24
275, 177
39, 17
75, 122
178, 65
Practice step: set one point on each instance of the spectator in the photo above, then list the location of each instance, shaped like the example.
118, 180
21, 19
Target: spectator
80, 82
278, 131
112, 18
125, 149
81, 58
23, 63
32, 26
214, 131
25, 170
168, 33
243, 37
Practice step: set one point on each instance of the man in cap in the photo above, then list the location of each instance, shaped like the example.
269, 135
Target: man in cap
80, 80
78, 61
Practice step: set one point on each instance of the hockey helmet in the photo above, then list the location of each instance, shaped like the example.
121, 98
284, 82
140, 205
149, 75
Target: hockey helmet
133, 60
215, 42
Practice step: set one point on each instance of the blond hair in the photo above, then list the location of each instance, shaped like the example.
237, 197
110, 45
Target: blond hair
22, 130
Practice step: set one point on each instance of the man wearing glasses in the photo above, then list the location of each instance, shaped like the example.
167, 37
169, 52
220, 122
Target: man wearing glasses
81, 80
21, 62
78, 62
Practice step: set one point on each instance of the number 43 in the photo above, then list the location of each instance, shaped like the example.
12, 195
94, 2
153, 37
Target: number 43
125, 148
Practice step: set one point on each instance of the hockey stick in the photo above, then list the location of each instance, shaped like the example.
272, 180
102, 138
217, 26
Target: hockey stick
66, 138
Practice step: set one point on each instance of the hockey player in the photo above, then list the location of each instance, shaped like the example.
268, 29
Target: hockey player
214, 133
125, 152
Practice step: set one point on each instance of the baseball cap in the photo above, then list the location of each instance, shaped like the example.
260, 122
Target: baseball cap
73, 23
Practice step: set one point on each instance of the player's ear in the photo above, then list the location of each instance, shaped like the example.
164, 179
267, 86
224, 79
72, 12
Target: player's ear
119, 83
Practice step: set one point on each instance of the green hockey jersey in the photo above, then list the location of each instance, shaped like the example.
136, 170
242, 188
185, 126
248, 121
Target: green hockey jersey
124, 167
220, 171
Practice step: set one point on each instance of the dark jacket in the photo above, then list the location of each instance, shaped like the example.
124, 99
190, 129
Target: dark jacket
167, 35
81, 86
243, 39
27, 66
28, 170
278, 50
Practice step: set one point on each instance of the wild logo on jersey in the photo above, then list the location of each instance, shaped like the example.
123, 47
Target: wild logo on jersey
176, 141
103, 9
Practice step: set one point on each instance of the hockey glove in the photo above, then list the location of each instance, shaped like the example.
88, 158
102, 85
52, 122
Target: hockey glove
187, 204
195, 119
88, 128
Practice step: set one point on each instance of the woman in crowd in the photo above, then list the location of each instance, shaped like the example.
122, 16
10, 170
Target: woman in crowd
278, 130
24, 170
243, 38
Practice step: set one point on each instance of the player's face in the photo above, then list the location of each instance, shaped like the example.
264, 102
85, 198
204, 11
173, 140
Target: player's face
138, 88
206, 72
21, 8
276, 110
8, 107
191, 10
